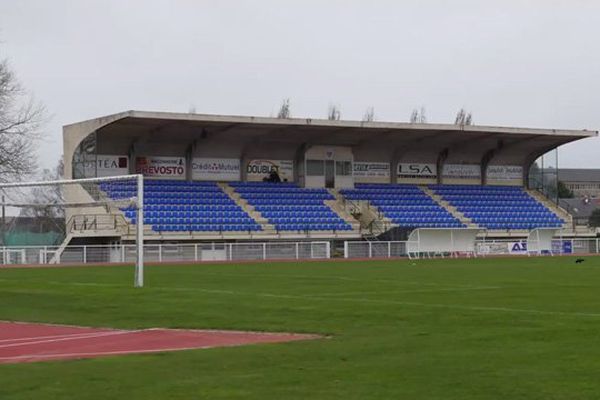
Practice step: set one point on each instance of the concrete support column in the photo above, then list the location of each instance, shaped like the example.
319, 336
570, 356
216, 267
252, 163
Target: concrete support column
441, 160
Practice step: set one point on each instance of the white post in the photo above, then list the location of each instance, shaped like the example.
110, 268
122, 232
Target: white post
389, 249
328, 249
85, 254
297, 253
196, 252
346, 249
370, 250
160, 252
139, 234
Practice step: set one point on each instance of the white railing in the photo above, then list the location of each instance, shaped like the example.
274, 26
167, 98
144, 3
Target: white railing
382, 249
193, 252
375, 249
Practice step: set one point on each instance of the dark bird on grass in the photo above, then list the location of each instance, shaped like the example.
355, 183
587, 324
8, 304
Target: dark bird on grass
579, 261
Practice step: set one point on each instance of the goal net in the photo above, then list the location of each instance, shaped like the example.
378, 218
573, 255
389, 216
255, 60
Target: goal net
539, 241
39, 220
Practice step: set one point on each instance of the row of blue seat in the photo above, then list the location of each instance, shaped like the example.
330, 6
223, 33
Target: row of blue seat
193, 207
279, 189
274, 200
288, 208
519, 225
190, 214
207, 220
303, 226
429, 224
284, 196
188, 202
298, 214
384, 196
507, 214
409, 207
299, 220
205, 228
508, 207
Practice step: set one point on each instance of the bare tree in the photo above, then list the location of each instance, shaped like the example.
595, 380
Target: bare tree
45, 200
418, 116
333, 113
463, 118
284, 110
20, 121
369, 115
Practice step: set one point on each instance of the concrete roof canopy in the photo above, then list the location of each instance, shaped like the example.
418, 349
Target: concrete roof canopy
176, 132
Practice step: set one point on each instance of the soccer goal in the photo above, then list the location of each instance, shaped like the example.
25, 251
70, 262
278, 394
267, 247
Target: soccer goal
40, 219
539, 241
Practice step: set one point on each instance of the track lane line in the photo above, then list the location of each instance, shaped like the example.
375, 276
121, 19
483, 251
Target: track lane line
65, 335
90, 336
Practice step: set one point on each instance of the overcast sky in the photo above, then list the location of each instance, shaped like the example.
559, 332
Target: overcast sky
533, 63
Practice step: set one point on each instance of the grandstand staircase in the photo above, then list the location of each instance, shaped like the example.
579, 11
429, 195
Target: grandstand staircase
449, 207
58, 252
338, 207
363, 216
250, 210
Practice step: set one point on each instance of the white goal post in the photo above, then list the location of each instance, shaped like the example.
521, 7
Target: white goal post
62, 207
433, 241
539, 241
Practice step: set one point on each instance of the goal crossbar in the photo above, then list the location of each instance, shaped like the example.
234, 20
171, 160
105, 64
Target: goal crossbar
135, 202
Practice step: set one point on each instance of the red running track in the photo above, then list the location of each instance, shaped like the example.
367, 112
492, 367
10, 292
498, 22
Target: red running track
26, 342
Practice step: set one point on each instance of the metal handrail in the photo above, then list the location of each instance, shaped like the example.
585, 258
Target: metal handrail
88, 222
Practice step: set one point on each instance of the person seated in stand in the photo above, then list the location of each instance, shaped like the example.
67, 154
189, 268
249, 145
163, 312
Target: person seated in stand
274, 177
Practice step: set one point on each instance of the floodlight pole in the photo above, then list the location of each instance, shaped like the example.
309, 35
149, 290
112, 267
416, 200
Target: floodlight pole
139, 234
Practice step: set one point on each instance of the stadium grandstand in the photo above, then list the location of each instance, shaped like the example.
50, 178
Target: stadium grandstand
235, 178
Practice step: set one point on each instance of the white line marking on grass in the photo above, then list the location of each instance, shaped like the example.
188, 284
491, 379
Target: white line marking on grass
354, 300
391, 302
449, 289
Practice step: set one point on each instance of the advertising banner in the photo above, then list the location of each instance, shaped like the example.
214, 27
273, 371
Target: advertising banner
376, 172
505, 172
562, 246
417, 170
257, 170
106, 165
462, 171
161, 167
517, 247
216, 169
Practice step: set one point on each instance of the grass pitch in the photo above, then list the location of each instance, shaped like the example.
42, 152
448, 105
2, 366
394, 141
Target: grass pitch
518, 328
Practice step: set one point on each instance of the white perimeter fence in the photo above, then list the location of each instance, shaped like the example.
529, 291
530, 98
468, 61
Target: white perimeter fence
96, 254
380, 249
126, 253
